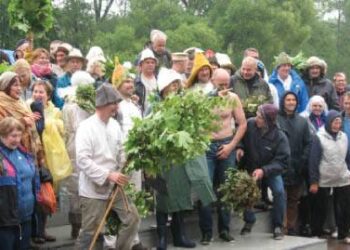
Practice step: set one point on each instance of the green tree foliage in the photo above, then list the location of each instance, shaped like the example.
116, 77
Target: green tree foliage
198, 34
74, 23
293, 23
343, 36
33, 17
197, 7
120, 42
155, 14
8, 36
330, 34
319, 27
132, 31
269, 25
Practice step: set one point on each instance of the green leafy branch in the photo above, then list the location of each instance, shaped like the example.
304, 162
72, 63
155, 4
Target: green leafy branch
299, 61
85, 98
251, 104
239, 191
178, 129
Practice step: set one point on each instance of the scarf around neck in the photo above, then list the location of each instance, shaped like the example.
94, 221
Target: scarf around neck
10, 107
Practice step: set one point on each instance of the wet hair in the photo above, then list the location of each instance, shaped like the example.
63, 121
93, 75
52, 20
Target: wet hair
339, 74
47, 86
250, 61
250, 50
37, 52
9, 124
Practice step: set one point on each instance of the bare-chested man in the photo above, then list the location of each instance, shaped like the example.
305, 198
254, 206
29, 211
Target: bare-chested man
221, 154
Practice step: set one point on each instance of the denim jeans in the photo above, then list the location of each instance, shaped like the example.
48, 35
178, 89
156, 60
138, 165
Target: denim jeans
217, 168
16, 237
275, 183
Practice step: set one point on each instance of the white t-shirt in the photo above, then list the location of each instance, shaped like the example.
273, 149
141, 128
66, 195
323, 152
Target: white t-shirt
150, 84
287, 83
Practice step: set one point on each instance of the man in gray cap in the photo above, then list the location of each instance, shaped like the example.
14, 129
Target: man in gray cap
100, 159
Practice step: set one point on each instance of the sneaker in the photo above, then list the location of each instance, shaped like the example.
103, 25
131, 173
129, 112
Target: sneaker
347, 240
206, 239
334, 234
225, 236
278, 234
247, 228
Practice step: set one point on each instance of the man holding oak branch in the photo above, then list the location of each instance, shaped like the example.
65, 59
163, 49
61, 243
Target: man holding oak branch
265, 151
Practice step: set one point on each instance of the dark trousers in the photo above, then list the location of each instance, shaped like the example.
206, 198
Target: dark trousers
304, 212
293, 197
330, 224
341, 210
16, 237
39, 222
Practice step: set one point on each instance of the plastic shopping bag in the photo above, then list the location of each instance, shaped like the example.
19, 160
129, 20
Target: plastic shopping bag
56, 155
46, 197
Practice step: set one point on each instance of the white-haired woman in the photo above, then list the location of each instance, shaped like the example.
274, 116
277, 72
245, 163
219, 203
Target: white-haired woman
316, 111
330, 177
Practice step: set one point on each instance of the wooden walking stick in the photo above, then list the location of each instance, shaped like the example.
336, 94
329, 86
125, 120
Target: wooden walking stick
116, 189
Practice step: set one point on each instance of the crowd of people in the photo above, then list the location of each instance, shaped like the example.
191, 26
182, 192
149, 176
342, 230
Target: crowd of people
63, 121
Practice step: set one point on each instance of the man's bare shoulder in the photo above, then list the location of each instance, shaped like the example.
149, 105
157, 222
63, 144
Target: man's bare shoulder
233, 96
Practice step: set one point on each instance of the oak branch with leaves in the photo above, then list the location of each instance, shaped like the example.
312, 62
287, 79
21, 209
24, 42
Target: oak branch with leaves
178, 129
239, 191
